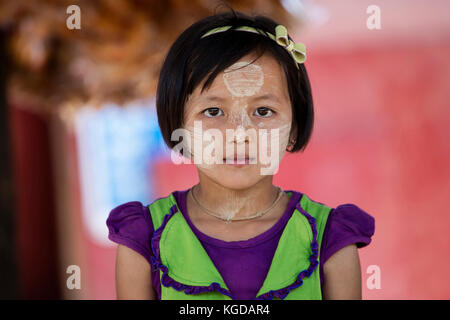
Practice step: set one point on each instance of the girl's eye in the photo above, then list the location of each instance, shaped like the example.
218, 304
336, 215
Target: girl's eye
212, 112
264, 112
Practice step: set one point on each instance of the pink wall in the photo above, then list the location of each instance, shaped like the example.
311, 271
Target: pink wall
382, 118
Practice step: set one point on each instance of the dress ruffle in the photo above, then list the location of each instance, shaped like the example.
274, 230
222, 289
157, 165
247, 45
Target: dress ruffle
168, 281
283, 292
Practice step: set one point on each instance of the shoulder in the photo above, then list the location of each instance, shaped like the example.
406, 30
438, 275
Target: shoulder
347, 224
349, 220
132, 213
130, 224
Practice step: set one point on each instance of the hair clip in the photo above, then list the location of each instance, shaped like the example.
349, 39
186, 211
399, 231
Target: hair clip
297, 50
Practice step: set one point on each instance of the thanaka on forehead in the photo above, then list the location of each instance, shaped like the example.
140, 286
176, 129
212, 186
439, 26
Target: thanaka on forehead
249, 77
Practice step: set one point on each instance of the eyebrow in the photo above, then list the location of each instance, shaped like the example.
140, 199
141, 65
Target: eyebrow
215, 98
267, 96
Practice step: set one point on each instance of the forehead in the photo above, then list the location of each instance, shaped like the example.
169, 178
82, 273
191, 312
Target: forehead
265, 74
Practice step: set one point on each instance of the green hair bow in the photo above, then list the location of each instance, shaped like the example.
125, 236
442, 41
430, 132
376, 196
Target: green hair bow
297, 50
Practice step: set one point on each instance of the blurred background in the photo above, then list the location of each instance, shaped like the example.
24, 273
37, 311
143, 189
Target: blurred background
79, 132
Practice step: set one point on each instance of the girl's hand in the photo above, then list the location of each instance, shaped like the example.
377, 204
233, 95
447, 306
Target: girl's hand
342, 275
133, 275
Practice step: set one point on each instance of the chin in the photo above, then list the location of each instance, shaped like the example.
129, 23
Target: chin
234, 178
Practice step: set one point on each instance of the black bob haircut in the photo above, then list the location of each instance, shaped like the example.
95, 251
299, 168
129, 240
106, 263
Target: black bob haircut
191, 59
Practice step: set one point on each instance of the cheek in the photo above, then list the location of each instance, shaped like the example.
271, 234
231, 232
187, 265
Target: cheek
277, 131
199, 146
284, 132
191, 115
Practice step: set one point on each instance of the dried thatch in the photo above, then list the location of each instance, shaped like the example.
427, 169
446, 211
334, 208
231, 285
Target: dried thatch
117, 54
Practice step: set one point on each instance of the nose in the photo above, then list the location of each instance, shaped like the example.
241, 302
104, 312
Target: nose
237, 134
241, 136
240, 122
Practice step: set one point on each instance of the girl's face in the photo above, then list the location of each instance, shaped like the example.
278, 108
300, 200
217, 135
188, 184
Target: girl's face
246, 113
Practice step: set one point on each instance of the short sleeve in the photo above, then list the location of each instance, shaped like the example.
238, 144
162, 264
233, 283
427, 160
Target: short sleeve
130, 224
346, 224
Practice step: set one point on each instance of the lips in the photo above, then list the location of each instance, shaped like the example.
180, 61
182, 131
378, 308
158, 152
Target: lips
236, 158
238, 161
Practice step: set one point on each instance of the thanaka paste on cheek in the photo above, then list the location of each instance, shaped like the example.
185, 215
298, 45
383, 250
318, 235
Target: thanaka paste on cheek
272, 143
196, 146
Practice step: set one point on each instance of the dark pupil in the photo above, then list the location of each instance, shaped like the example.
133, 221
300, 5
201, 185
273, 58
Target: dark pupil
264, 111
213, 111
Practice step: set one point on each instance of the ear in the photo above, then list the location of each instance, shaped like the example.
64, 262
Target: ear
294, 133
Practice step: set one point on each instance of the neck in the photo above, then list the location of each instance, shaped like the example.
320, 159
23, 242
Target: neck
235, 203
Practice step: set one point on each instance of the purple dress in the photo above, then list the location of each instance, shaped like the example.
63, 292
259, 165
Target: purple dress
243, 265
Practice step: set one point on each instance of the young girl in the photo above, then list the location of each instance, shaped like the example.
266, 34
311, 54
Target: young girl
234, 235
